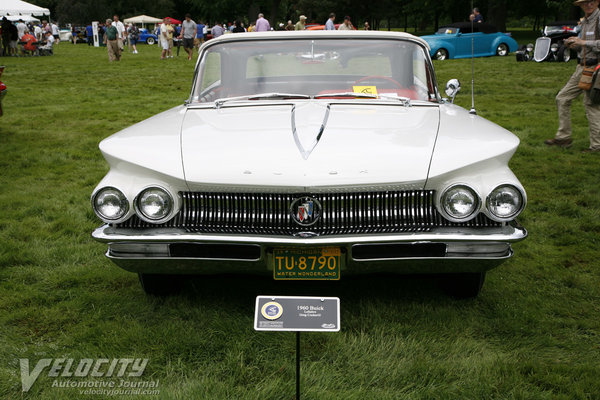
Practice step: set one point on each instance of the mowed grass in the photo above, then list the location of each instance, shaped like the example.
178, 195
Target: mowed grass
533, 333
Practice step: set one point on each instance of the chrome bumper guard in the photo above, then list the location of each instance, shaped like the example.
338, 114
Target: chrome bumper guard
171, 250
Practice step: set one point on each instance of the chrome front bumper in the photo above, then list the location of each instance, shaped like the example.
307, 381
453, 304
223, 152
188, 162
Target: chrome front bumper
441, 250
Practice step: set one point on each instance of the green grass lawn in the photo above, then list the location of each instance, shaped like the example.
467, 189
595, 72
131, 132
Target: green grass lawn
533, 333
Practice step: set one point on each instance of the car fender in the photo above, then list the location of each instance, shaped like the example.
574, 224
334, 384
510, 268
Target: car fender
509, 41
441, 44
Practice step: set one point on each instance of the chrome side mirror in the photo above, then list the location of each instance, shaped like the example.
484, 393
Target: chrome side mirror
452, 89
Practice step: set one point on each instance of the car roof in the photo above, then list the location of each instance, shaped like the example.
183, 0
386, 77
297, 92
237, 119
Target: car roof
465, 27
352, 34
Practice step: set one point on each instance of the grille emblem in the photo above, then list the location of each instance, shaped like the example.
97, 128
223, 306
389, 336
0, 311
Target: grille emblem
305, 211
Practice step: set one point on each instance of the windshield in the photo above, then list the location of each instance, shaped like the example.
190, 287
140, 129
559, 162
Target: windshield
447, 31
306, 68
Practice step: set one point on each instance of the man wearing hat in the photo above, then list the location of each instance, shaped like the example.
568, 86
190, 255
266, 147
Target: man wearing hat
347, 25
587, 44
301, 24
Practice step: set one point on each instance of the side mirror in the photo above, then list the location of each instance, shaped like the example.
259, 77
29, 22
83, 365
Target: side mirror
452, 89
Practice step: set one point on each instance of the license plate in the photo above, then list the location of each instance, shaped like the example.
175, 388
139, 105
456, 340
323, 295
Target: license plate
316, 263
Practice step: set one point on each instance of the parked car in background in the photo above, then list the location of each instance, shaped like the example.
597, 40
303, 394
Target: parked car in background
147, 37
66, 35
550, 46
311, 156
2, 88
454, 41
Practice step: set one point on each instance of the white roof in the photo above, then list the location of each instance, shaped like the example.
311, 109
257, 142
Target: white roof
317, 34
142, 19
18, 7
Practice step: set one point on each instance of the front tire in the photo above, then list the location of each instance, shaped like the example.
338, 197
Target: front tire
160, 285
464, 285
564, 54
150, 41
441, 54
502, 50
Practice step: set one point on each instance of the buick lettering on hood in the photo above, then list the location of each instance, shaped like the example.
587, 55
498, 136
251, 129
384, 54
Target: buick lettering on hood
311, 155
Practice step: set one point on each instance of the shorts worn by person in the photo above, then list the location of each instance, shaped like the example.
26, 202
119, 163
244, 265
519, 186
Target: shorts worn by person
166, 39
587, 44
188, 33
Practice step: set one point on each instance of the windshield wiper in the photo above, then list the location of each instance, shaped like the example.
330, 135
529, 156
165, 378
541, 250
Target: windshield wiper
220, 102
404, 100
348, 94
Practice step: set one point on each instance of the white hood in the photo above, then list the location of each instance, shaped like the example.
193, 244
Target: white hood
359, 145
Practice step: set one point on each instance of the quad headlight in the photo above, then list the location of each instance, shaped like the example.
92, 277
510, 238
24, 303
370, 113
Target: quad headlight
154, 204
459, 203
110, 204
505, 202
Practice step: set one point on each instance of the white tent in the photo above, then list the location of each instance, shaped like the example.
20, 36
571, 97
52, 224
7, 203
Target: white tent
25, 18
142, 19
18, 7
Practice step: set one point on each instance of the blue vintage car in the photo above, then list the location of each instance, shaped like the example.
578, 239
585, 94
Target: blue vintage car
147, 37
454, 41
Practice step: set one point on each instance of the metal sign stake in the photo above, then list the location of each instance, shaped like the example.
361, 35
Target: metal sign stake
297, 365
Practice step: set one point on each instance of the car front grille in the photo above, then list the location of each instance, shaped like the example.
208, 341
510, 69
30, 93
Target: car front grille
342, 213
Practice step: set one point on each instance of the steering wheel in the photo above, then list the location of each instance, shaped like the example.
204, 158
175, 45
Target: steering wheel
384, 78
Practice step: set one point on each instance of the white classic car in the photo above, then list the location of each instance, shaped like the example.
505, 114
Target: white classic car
311, 155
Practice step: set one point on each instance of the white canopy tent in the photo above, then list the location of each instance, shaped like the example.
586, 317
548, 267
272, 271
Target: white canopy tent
25, 18
142, 19
20, 8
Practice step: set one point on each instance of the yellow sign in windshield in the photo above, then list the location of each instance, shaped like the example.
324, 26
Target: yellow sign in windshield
365, 89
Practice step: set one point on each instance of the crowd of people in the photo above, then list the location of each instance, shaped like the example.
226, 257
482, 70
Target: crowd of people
20, 38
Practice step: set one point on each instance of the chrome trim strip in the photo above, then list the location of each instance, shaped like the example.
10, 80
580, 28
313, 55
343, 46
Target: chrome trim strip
505, 234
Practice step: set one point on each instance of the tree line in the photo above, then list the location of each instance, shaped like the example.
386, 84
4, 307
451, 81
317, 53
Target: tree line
415, 15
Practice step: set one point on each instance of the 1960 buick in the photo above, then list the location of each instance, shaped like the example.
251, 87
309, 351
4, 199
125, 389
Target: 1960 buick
311, 155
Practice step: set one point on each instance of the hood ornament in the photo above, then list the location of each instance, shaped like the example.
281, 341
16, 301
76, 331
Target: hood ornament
306, 152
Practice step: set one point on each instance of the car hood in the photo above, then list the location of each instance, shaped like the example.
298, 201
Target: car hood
308, 144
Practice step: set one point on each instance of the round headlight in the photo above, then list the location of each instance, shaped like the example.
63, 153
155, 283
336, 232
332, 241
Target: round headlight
530, 47
460, 202
110, 204
154, 204
505, 202
554, 47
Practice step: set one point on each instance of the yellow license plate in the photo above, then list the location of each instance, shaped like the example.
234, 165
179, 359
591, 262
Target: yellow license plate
317, 263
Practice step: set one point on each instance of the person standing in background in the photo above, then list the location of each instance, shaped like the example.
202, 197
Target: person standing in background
347, 25
587, 45
217, 30
262, 25
55, 32
476, 16
120, 29
188, 34
166, 39
329, 25
133, 34
301, 24
199, 34
111, 35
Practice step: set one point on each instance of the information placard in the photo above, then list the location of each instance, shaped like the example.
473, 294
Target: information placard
290, 313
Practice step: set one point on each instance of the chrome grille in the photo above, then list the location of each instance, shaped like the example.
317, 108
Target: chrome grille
342, 213
542, 48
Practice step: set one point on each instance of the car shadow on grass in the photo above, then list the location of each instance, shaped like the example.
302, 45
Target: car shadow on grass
383, 287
